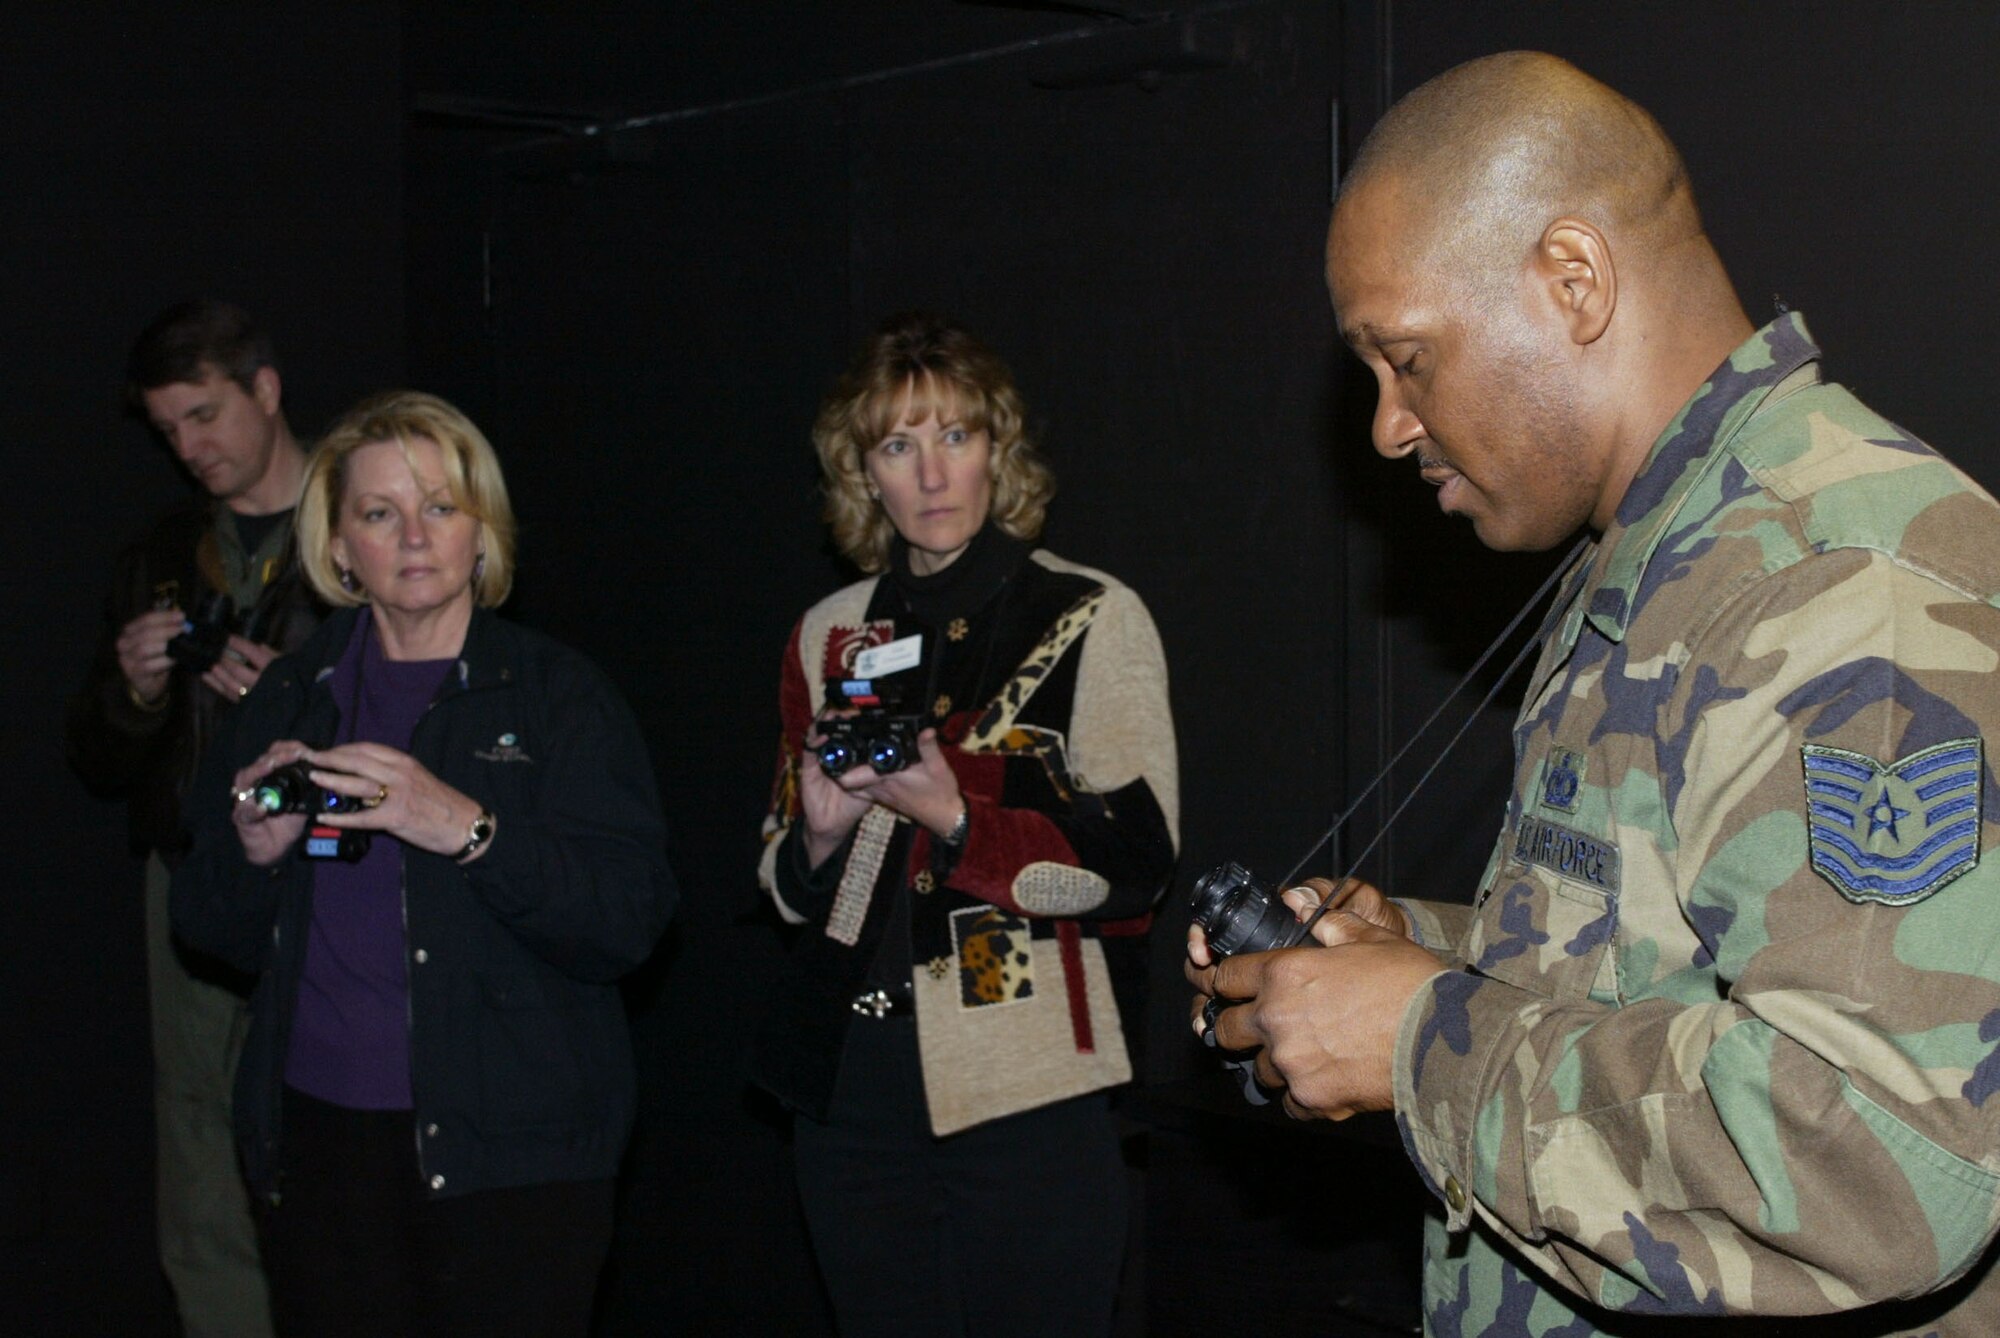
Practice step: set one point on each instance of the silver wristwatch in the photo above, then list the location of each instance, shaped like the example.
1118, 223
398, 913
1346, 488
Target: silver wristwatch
477, 835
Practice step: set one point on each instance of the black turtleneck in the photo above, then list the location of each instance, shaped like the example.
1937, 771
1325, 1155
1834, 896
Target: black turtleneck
966, 585
973, 581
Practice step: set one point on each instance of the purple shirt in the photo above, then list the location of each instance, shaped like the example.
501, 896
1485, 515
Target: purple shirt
350, 1039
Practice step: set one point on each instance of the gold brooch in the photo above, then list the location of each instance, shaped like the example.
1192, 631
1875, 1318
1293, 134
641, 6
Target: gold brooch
957, 630
925, 882
942, 706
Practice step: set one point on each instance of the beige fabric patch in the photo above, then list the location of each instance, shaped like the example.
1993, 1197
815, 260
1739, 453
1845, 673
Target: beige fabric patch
857, 881
1048, 888
982, 1063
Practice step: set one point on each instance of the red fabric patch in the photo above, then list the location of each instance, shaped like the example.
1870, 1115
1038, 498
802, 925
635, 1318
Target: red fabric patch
980, 774
1069, 938
1003, 840
844, 643
794, 712
954, 727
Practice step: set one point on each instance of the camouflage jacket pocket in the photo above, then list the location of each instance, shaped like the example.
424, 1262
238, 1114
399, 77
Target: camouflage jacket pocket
1545, 933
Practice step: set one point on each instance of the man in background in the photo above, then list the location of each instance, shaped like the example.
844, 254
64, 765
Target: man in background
197, 609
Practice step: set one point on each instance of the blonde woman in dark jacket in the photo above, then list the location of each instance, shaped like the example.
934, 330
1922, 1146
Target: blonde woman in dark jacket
437, 1086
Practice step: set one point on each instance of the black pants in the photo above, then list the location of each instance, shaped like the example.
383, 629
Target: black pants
1009, 1228
356, 1249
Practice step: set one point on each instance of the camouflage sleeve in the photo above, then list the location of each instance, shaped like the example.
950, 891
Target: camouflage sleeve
1809, 1125
1437, 925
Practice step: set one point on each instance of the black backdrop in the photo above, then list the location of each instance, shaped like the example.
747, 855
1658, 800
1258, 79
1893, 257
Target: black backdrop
680, 301
149, 152
1131, 211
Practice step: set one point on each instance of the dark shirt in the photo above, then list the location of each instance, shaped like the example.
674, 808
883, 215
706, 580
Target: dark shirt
251, 531
350, 1039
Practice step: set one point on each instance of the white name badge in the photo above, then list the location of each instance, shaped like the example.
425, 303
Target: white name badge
878, 661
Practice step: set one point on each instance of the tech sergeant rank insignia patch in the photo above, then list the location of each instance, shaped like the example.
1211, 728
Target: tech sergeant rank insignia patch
1893, 834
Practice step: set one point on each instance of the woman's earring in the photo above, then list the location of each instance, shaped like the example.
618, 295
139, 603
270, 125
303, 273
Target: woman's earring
874, 494
478, 567
347, 581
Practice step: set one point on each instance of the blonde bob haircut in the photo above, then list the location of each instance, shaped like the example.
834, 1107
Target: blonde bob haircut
472, 477
917, 365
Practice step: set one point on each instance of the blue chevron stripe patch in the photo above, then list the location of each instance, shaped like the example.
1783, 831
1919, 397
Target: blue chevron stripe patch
1893, 834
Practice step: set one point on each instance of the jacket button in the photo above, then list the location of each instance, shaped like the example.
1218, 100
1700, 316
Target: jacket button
421, 956
430, 1131
1454, 1194
437, 1182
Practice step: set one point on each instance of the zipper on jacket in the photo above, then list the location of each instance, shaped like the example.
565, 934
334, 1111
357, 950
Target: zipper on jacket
457, 684
410, 1008
410, 962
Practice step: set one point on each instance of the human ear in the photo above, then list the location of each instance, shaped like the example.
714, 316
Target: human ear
266, 389
1573, 260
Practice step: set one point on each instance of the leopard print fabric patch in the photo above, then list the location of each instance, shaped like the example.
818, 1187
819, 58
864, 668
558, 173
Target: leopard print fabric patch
996, 962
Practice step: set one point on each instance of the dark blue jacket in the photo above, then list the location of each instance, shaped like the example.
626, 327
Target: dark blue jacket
521, 1064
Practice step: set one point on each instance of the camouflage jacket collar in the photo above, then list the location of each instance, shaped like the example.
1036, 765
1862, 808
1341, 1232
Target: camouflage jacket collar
1700, 436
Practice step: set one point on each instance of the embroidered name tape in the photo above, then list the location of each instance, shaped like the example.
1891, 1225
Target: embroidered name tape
1893, 834
1567, 852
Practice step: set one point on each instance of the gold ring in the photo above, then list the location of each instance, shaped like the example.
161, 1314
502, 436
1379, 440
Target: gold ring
381, 793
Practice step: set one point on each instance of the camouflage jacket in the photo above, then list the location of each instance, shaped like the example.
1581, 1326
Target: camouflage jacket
1721, 1036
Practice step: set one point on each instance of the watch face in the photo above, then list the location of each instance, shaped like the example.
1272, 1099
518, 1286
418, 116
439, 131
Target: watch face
481, 833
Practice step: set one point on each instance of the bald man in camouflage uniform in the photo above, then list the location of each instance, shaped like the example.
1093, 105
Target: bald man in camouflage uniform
1721, 1033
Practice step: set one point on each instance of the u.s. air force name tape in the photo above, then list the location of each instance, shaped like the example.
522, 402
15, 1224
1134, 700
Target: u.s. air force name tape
1567, 852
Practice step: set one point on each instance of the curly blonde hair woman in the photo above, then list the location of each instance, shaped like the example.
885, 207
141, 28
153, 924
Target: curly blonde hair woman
948, 1033
919, 366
